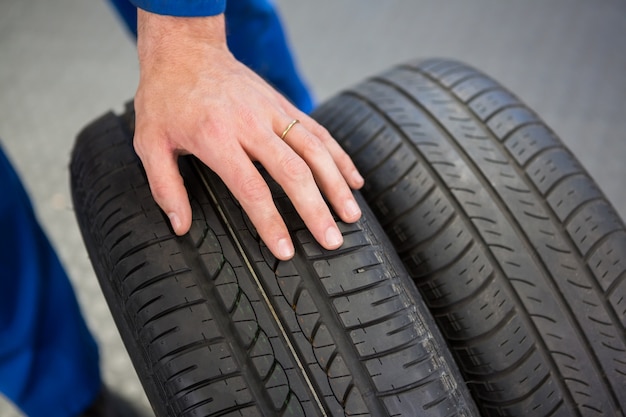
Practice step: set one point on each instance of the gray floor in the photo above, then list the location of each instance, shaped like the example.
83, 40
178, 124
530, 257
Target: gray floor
65, 62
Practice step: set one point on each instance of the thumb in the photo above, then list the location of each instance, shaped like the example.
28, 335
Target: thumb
167, 186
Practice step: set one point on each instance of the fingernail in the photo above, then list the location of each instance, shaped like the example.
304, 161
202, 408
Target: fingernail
333, 238
352, 209
174, 220
285, 249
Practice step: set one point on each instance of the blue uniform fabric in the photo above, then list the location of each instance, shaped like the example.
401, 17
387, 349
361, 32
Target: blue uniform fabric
48, 359
182, 8
255, 36
49, 364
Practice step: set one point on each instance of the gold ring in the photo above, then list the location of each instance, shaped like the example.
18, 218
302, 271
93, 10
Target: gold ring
292, 124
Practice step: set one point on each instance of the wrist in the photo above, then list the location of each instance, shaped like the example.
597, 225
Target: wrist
161, 35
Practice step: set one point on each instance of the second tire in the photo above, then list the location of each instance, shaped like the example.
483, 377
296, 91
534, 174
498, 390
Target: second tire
519, 256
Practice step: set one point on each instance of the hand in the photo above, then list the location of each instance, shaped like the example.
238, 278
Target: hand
195, 98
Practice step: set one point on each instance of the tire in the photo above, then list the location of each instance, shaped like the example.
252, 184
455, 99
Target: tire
519, 256
216, 326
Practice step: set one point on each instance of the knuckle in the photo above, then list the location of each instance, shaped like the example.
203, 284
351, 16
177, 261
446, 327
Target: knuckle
138, 145
343, 160
160, 192
253, 190
321, 132
312, 145
295, 168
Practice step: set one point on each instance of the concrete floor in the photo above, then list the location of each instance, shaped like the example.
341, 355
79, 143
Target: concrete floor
64, 63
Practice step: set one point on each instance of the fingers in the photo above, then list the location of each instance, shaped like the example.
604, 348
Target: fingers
166, 184
327, 173
303, 166
302, 163
249, 188
296, 178
341, 159
240, 176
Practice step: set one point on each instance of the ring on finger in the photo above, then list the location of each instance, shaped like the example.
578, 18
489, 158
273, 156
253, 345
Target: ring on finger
292, 124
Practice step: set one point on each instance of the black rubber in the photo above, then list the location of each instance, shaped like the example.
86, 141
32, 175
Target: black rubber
518, 254
216, 326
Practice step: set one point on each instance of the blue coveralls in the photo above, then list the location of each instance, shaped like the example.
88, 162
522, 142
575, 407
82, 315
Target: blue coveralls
48, 359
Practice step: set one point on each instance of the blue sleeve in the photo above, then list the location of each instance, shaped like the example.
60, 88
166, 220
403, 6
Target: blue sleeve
182, 8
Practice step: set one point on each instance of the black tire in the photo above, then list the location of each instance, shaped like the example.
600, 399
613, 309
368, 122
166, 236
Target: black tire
216, 326
518, 254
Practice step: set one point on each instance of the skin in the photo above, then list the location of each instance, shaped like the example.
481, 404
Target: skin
195, 98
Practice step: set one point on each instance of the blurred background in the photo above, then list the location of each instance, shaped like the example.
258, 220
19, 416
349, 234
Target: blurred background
63, 63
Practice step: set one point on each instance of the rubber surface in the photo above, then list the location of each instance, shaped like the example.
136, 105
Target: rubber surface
518, 254
216, 326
